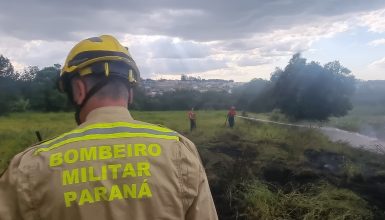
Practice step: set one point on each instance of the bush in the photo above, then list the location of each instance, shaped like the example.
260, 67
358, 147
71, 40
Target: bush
20, 105
277, 115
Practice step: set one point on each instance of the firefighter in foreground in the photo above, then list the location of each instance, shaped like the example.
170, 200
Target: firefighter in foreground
111, 166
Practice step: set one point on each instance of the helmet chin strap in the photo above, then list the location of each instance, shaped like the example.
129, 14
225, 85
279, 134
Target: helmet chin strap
130, 95
92, 92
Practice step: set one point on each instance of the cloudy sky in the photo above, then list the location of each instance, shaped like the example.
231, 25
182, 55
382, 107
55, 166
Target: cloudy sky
225, 39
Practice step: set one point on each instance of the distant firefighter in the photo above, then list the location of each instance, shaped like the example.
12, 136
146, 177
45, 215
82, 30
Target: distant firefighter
192, 117
230, 116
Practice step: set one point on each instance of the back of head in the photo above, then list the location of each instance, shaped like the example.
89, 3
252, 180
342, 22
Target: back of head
104, 66
103, 56
115, 89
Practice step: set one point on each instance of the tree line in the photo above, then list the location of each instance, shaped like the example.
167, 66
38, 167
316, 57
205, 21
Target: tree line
32, 89
302, 90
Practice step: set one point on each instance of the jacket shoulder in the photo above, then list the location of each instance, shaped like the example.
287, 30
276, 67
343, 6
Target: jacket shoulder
187, 143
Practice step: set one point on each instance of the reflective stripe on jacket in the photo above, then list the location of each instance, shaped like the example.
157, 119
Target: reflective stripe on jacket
110, 167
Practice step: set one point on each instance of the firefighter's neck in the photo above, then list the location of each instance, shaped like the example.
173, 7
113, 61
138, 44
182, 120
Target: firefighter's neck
95, 102
80, 93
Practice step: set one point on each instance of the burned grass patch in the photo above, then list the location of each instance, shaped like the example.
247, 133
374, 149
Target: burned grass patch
254, 177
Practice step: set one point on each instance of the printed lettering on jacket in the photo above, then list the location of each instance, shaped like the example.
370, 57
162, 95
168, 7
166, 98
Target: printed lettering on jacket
85, 174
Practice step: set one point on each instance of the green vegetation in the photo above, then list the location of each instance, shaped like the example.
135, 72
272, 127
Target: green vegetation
256, 170
368, 115
301, 91
368, 120
355, 120
322, 201
17, 131
34, 89
310, 91
183, 99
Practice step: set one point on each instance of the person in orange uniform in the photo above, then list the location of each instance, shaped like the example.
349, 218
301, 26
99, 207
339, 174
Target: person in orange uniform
192, 117
231, 116
111, 166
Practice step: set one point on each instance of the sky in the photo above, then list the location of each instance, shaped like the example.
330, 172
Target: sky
221, 39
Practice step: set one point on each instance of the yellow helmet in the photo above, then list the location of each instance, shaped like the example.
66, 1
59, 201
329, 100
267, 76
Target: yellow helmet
99, 55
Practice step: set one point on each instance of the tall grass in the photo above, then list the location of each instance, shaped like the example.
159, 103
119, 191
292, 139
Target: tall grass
17, 131
257, 200
368, 120
209, 123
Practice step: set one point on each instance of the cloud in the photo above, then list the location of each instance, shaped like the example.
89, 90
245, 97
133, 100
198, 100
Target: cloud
36, 52
178, 49
378, 64
184, 66
298, 37
197, 20
169, 55
250, 60
377, 42
157, 54
277, 46
375, 21
375, 70
170, 37
157, 46
238, 73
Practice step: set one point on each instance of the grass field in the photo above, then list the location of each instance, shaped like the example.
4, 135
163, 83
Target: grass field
17, 131
256, 171
368, 120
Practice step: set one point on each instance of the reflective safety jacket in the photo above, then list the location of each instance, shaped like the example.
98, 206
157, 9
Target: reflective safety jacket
110, 167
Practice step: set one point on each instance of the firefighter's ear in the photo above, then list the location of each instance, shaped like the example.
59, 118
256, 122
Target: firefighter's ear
79, 90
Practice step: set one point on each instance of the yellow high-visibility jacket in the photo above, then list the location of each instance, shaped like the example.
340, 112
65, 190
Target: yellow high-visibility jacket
110, 167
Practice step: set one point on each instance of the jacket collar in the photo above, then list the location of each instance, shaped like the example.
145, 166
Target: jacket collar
108, 114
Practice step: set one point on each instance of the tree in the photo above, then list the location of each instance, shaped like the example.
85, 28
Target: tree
310, 91
42, 92
8, 85
182, 99
29, 73
6, 69
254, 96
